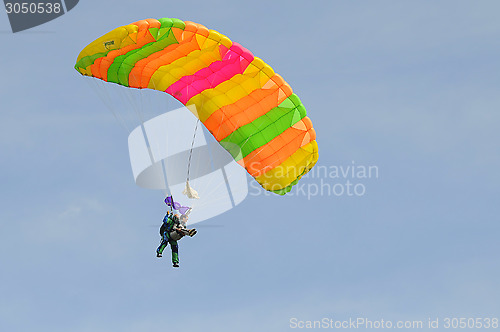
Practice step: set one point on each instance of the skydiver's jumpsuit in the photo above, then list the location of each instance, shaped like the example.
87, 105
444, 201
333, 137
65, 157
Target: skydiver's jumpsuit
165, 229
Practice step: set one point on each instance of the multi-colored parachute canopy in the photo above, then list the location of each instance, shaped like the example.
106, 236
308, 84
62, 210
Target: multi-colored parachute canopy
249, 109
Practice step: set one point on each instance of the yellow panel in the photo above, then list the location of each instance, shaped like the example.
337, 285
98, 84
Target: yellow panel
133, 36
113, 39
221, 99
263, 77
87, 71
215, 36
284, 174
268, 70
127, 41
248, 83
211, 43
200, 40
236, 93
254, 67
226, 41
190, 63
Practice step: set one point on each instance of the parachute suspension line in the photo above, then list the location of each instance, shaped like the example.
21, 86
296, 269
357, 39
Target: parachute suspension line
190, 192
96, 85
191, 150
130, 95
163, 163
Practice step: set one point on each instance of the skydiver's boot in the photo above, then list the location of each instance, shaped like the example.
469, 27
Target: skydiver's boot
158, 254
176, 265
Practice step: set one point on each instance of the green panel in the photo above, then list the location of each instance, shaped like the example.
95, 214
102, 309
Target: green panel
287, 103
154, 32
282, 191
165, 22
89, 60
172, 23
126, 62
121, 67
113, 70
176, 23
166, 33
265, 128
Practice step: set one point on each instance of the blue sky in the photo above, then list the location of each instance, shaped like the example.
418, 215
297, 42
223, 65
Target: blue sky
409, 87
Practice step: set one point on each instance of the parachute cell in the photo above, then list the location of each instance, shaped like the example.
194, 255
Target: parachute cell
249, 109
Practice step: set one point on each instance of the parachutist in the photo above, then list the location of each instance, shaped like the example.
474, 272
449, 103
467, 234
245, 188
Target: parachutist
172, 230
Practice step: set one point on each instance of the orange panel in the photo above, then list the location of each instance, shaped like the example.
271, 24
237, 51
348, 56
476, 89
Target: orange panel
136, 76
145, 68
108, 60
276, 151
254, 105
94, 68
153, 23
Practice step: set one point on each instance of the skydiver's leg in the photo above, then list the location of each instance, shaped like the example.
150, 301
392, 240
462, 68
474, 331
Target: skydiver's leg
163, 244
175, 252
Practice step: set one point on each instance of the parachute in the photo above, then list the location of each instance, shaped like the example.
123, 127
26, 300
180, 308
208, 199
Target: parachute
248, 108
